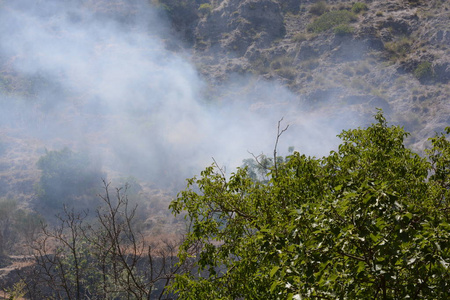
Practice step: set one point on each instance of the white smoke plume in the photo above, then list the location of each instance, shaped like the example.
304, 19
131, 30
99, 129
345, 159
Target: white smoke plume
98, 76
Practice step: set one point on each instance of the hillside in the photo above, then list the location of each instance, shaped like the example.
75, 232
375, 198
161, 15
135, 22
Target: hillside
389, 54
149, 93
82, 78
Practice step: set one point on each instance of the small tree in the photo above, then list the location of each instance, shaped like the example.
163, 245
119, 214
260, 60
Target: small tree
107, 258
424, 71
66, 177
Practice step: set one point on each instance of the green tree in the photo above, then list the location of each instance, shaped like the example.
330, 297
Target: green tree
66, 177
370, 220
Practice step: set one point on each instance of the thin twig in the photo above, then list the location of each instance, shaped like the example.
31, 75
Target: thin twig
279, 133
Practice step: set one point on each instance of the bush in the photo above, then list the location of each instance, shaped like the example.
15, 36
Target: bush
331, 19
359, 7
424, 71
67, 176
343, 29
299, 37
283, 66
399, 48
318, 8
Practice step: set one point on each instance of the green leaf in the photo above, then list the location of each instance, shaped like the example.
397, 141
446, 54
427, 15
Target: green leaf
274, 270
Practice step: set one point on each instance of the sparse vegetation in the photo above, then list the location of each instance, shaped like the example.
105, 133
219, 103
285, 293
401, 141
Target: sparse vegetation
310, 64
424, 71
18, 227
362, 68
359, 7
360, 84
205, 9
283, 67
300, 37
399, 48
343, 29
107, 257
319, 8
330, 20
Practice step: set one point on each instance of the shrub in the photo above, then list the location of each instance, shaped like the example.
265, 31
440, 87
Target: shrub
331, 19
359, 7
318, 8
299, 37
424, 71
343, 29
67, 176
398, 48
282, 66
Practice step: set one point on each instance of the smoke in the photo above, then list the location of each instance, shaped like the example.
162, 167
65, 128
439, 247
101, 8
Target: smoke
98, 76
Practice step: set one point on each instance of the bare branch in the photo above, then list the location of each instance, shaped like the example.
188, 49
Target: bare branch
279, 133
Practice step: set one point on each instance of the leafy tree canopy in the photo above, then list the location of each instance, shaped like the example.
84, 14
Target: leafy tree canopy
370, 220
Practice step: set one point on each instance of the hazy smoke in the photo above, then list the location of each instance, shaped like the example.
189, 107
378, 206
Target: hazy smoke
97, 75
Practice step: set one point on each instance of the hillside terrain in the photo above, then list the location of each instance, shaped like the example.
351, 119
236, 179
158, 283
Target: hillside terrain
144, 93
389, 54
334, 56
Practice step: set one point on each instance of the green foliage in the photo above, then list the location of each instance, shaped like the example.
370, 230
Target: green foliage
318, 8
67, 176
424, 71
330, 20
359, 7
367, 221
343, 29
18, 291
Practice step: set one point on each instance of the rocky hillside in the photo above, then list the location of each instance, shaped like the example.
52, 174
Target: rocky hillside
391, 54
334, 56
